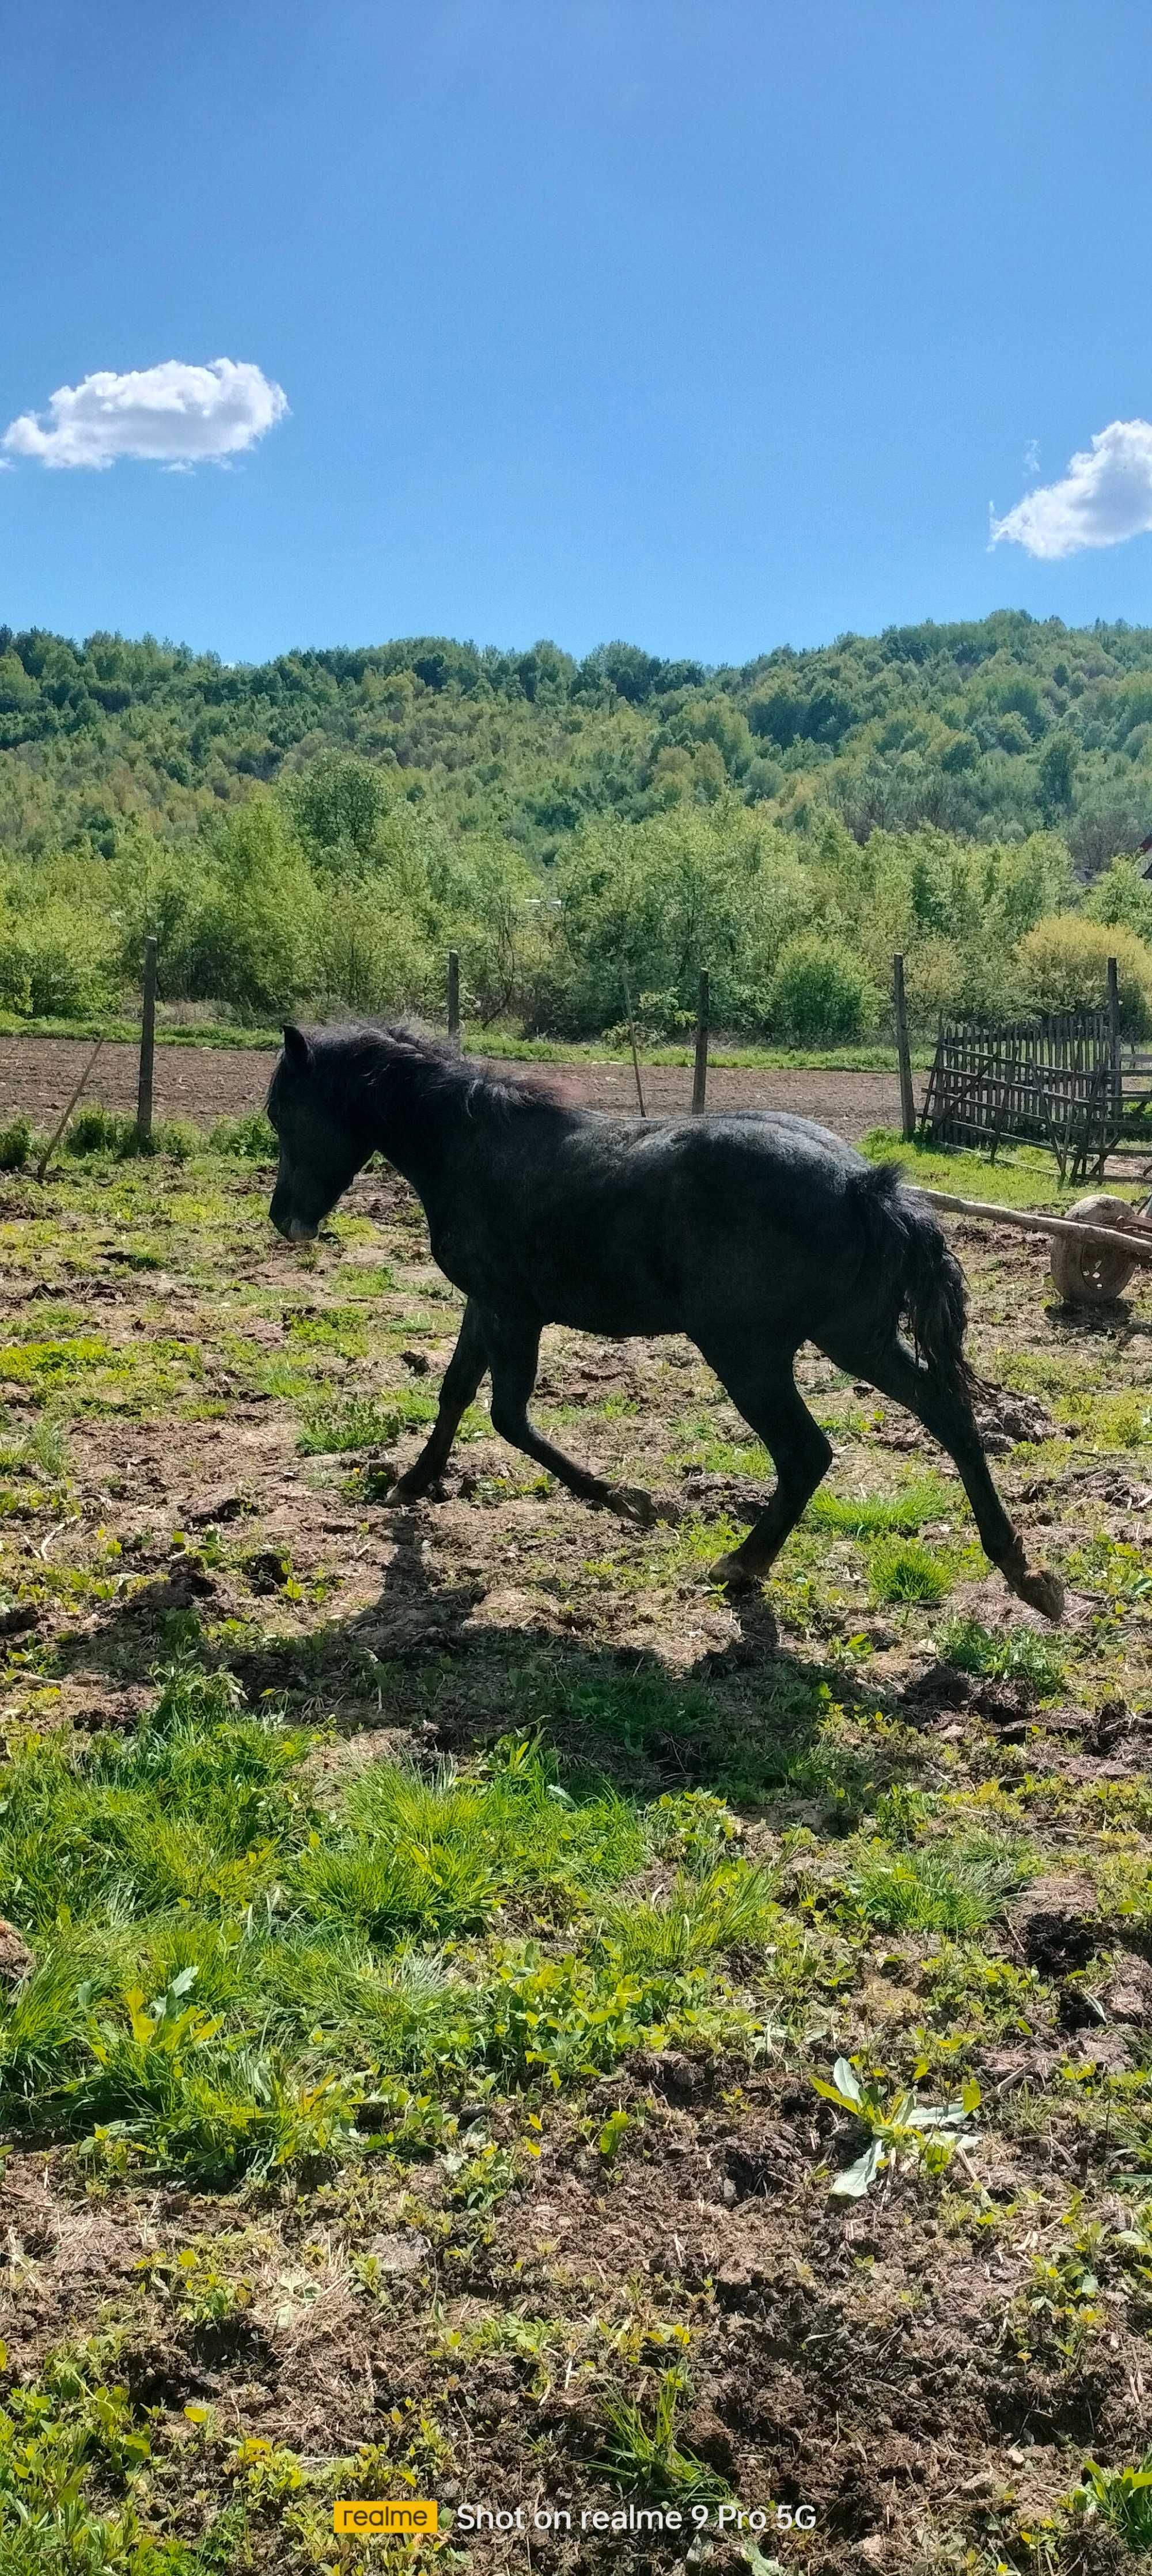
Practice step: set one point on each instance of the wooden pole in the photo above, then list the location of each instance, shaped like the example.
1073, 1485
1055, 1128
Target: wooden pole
900, 1014
700, 1068
1114, 1034
454, 999
147, 1045
635, 1050
61, 1123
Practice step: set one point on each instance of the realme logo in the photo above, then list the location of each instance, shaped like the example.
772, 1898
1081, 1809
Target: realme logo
380, 2514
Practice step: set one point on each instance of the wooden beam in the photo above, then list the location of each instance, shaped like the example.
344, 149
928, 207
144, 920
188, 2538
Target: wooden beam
1134, 1233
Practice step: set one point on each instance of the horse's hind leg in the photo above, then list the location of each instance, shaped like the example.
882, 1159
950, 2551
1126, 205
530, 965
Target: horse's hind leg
801, 1455
458, 1386
945, 1411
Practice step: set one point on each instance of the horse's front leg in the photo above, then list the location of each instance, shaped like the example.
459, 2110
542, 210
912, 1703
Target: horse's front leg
513, 1353
460, 1382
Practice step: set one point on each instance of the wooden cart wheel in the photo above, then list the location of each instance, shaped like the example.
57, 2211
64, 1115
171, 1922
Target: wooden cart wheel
1083, 1274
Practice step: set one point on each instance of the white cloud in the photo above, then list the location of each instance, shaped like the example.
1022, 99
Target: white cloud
1105, 496
172, 414
1032, 458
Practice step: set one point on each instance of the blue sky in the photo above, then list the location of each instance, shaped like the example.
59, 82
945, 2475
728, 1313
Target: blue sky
715, 324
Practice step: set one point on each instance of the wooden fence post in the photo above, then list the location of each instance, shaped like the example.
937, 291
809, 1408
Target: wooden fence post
640, 1102
700, 1069
454, 999
147, 1045
900, 1013
1114, 1036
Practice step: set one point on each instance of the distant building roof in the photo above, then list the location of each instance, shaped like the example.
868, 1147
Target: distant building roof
1144, 854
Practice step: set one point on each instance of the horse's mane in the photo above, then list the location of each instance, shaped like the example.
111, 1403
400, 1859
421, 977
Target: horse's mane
368, 1053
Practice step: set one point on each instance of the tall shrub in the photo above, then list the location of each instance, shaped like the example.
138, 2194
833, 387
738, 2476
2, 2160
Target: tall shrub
1064, 967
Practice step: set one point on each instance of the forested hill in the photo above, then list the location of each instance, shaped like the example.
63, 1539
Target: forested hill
990, 730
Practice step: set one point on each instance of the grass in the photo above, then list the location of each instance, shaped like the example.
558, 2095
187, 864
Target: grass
227, 1976
1120, 2497
903, 1569
938, 1888
644, 2455
1027, 1178
486, 1041
731, 1908
41, 1449
515, 1950
1017, 1655
364, 1422
928, 1498
74, 2450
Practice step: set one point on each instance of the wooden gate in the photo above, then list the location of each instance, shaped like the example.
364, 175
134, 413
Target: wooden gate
1053, 1081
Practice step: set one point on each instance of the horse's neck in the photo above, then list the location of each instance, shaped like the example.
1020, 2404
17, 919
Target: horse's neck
419, 1127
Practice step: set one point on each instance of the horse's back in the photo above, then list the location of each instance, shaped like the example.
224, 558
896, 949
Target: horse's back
730, 1151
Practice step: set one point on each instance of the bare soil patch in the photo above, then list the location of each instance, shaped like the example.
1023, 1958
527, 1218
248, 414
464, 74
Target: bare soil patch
37, 1076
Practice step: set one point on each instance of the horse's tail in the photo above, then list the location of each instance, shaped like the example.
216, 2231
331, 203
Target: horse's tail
915, 1263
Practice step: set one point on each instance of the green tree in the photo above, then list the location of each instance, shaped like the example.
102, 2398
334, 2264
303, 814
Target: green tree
337, 807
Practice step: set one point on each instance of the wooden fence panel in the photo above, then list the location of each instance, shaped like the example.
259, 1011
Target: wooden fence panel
1047, 1081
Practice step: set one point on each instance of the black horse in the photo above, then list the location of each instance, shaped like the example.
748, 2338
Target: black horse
750, 1232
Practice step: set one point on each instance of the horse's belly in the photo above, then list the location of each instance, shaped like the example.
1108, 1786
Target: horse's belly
616, 1313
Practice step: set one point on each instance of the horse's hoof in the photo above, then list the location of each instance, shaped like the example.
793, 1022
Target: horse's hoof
729, 1575
407, 1490
1043, 1591
635, 1503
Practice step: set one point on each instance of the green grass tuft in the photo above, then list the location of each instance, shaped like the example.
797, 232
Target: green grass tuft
1019, 1656
731, 1908
363, 1421
940, 1887
902, 1569
869, 1515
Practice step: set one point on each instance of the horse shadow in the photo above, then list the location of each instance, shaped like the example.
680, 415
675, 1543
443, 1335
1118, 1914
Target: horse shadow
421, 1667
1115, 1320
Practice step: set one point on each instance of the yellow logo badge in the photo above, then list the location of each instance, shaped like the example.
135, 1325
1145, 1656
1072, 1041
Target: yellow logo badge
405, 2516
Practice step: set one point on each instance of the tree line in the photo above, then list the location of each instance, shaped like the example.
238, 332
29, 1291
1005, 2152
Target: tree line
315, 832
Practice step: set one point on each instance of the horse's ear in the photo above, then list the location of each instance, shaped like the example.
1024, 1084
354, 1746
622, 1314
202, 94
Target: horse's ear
297, 1051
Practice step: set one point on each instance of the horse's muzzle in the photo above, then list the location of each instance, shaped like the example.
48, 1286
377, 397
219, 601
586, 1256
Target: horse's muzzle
294, 1228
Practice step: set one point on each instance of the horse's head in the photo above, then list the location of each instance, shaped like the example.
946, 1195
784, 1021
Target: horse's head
321, 1150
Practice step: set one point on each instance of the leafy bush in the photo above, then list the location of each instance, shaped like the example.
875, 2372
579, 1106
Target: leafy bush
252, 937
96, 1130
1122, 897
56, 963
15, 1144
820, 994
1064, 967
252, 1139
